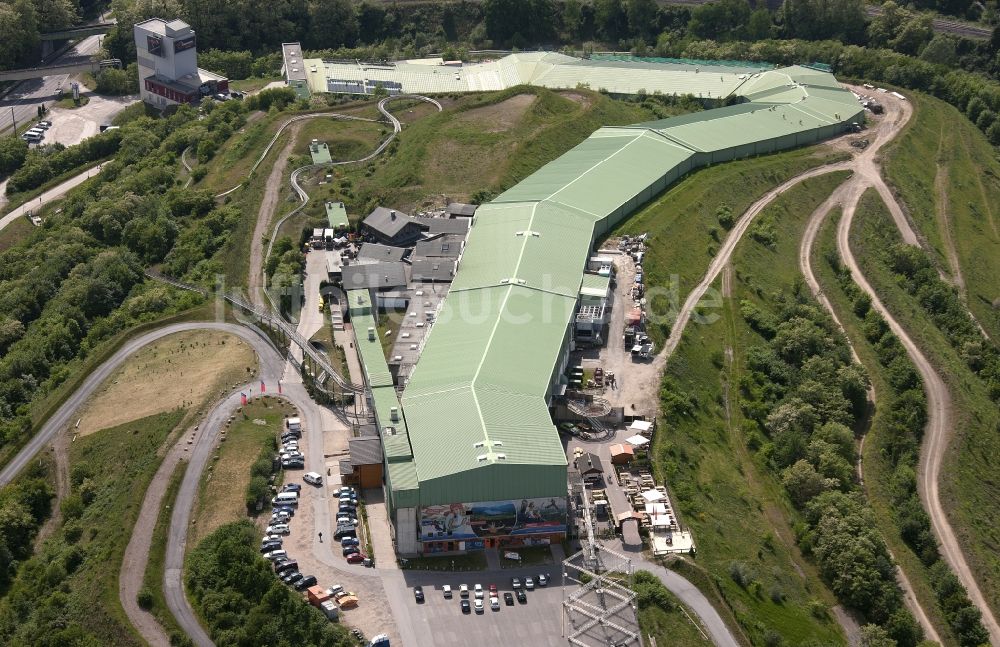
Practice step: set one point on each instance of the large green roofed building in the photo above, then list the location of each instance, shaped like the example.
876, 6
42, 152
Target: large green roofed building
473, 458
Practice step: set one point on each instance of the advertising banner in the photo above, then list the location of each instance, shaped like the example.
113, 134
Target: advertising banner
478, 520
184, 44
155, 45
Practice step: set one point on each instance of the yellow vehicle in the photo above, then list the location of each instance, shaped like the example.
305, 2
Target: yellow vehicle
321, 303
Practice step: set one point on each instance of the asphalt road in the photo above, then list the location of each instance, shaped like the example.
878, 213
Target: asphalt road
25, 98
54, 193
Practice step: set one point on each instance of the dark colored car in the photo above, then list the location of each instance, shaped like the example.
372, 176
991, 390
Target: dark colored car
291, 487
345, 530
521, 596
291, 578
305, 583
508, 599
418, 594
466, 608
284, 508
349, 541
269, 546
286, 565
350, 550
236, 94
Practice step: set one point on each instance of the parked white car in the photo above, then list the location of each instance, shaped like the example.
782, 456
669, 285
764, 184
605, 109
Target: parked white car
278, 529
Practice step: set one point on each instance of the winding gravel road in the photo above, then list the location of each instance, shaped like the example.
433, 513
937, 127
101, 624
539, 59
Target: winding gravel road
936, 434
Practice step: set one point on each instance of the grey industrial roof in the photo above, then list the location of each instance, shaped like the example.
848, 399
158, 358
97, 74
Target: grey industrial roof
446, 246
374, 251
387, 221
446, 225
295, 68
461, 209
432, 269
365, 451
377, 276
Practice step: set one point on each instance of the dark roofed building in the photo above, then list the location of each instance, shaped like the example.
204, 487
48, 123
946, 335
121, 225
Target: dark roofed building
442, 246
589, 465
366, 461
374, 276
376, 252
433, 270
391, 227
461, 209
458, 226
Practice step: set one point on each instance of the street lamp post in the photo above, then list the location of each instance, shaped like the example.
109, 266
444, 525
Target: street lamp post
13, 120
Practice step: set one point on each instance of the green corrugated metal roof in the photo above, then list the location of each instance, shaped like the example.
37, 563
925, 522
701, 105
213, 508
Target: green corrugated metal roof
372, 356
336, 214
396, 445
595, 285
359, 302
476, 406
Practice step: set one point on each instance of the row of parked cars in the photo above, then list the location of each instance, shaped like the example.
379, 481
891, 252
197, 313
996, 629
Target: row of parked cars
479, 594
36, 133
285, 567
289, 455
347, 524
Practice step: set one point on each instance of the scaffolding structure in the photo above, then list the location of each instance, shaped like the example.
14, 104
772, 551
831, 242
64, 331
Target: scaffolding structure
602, 611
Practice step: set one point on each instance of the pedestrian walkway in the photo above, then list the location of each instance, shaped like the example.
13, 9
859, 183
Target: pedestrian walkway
345, 338
380, 534
558, 554
492, 559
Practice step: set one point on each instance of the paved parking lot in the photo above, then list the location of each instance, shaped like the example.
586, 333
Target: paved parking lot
537, 623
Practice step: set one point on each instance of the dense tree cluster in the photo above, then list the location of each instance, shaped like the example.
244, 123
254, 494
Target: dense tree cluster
241, 600
803, 394
44, 163
85, 284
13, 151
24, 505
916, 274
902, 425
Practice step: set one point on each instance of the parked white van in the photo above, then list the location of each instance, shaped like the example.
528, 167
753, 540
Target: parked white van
312, 478
286, 498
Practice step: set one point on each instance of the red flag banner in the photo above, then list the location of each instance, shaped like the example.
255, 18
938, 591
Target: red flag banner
243, 399
263, 389
279, 388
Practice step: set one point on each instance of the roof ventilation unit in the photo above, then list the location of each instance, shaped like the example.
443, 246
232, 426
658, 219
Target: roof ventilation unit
392, 214
394, 414
481, 458
371, 333
479, 445
389, 431
501, 457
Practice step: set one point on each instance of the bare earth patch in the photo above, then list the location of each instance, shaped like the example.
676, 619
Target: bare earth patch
583, 99
182, 370
500, 117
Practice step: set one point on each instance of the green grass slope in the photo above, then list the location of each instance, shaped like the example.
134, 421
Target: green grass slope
736, 508
970, 489
688, 221
68, 592
948, 176
877, 467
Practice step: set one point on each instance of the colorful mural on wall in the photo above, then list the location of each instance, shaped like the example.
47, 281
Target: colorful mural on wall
458, 521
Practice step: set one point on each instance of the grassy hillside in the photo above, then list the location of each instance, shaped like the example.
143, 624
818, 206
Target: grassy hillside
878, 469
948, 176
688, 221
738, 511
478, 146
69, 590
969, 487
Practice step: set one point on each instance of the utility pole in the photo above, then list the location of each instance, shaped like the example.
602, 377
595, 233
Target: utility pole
14, 121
